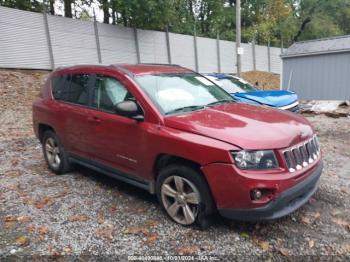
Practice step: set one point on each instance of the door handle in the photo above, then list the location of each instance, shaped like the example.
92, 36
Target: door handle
94, 119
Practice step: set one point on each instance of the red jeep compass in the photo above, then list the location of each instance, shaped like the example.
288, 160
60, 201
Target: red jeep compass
175, 133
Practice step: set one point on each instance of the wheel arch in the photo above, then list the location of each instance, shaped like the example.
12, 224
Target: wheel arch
42, 128
163, 160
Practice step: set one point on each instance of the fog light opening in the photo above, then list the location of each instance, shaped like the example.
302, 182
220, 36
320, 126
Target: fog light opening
256, 194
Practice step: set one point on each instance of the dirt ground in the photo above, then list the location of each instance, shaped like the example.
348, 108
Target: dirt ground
86, 214
263, 80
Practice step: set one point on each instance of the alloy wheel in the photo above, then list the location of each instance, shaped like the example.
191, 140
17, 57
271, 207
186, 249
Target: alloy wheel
181, 199
52, 151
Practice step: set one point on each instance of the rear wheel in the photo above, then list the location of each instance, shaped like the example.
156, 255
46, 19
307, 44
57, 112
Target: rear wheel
55, 156
185, 195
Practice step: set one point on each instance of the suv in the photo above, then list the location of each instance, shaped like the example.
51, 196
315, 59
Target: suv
173, 132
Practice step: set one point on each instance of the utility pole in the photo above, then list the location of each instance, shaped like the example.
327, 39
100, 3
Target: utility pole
238, 36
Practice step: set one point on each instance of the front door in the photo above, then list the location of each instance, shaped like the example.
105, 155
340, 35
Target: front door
116, 141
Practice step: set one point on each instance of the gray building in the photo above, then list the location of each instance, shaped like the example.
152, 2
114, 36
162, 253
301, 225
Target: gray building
318, 69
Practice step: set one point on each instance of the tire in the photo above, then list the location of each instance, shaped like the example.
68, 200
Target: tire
195, 198
54, 154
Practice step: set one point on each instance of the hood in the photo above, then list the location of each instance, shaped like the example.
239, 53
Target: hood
275, 98
245, 126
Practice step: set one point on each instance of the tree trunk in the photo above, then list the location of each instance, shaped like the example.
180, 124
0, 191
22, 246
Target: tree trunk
106, 15
302, 27
67, 8
125, 20
52, 7
114, 11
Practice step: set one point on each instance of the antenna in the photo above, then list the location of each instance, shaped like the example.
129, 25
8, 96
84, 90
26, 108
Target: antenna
290, 79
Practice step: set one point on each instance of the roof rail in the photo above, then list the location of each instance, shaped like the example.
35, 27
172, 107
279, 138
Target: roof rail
121, 68
159, 64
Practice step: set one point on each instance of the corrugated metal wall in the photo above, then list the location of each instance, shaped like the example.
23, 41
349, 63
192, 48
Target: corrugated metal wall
23, 42
70, 36
182, 50
117, 44
207, 55
261, 58
247, 58
153, 46
25, 38
228, 57
320, 77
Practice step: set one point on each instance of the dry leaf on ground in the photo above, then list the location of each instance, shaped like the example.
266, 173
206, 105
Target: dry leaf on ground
45, 201
24, 219
187, 250
264, 245
105, 232
284, 252
340, 221
79, 218
10, 218
30, 228
22, 241
136, 231
152, 237
310, 218
151, 223
100, 217
311, 243
43, 230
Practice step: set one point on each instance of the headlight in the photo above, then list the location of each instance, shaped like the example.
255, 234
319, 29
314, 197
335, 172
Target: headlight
262, 159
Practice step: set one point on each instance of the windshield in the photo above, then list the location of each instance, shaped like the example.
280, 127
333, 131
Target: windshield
233, 85
174, 93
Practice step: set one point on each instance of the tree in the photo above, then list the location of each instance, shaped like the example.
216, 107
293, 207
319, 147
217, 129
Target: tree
262, 20
105, 7
67, 8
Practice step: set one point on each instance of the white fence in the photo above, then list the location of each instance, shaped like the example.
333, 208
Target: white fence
40, 41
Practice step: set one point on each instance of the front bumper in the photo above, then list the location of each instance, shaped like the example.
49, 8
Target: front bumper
288, 201
294, 107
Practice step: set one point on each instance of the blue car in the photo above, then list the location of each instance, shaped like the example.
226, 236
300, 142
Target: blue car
246, 93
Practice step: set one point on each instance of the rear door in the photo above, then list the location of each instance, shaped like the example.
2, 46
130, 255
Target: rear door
74, 104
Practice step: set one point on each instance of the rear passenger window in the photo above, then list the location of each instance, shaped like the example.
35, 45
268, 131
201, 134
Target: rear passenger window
77, 91
57, 84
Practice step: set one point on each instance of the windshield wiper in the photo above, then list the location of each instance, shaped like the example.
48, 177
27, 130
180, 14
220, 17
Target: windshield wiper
220, 102
185, 108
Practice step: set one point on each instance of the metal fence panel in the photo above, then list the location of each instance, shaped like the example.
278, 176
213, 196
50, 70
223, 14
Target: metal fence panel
25, 42
153, 47
22, 40
117, 44
276, 62
261, 58
228, 56
73, 41
182, 50
207, 55
247, 57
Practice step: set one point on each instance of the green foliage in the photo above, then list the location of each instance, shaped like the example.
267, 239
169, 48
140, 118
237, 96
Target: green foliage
262, 20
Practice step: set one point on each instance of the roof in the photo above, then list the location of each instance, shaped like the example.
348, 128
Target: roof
319, 46
142, 69
134, 69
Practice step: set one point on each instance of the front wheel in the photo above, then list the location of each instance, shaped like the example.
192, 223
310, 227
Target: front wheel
185, 195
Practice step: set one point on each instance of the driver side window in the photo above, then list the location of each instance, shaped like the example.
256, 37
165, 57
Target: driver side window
107, 92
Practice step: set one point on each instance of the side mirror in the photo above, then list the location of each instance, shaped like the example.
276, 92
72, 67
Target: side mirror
129, 109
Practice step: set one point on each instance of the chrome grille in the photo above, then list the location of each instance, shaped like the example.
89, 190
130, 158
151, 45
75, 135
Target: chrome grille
301, 156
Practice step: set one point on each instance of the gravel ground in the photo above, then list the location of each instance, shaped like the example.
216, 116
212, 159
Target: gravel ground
84, 213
